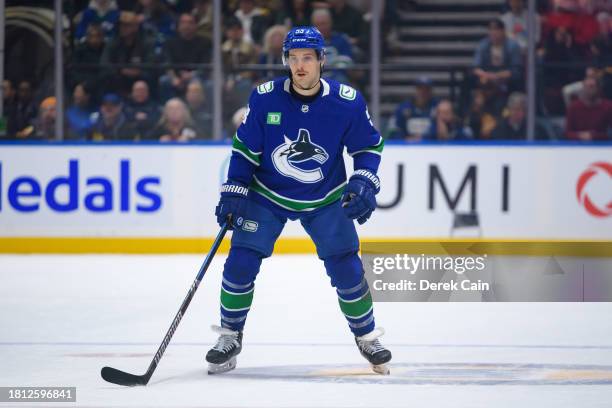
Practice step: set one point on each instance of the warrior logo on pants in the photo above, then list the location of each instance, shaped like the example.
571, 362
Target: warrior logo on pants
286, 155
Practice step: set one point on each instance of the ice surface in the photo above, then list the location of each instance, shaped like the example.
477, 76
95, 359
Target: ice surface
62, 318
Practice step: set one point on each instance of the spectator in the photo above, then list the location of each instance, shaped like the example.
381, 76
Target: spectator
347, 19
203, 13
156, 21
130, 47
79, 115
236, 52
601, 50
186, 48
199, 110
175, 125
25, 110
559, 49
112, 124
272, 53
601, 56
590, 116
445, 125
498, 60
514, 125
100, 12
89, 53
583, 26
338, 51
8, 94
43, 126
482, 116
141, 111
8, 103
413, 117
296, 13
516, 22
572, 91
255, 21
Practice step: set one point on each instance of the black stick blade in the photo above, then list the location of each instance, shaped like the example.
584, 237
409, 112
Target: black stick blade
119, 377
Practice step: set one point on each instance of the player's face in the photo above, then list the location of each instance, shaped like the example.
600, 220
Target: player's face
304, 67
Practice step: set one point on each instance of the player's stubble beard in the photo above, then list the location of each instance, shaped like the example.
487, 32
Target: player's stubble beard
307, 87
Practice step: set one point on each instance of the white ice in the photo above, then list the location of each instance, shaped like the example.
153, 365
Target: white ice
62, 318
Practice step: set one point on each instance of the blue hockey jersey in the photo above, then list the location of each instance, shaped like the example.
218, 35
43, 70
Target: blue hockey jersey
290, 152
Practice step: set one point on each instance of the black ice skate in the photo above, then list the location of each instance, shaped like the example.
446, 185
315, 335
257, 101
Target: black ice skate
222, 357
373, 351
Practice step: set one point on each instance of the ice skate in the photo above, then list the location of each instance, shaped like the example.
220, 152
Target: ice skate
222, 357
370, 347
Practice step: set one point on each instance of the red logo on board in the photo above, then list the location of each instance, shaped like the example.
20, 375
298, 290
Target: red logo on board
595, 209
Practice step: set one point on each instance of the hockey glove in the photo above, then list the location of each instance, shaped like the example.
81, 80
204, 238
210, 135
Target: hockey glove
359, 198
232, 204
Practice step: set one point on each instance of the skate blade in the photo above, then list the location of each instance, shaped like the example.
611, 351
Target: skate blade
222, 368
381, 369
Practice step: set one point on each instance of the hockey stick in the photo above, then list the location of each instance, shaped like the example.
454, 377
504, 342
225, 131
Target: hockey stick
119, 377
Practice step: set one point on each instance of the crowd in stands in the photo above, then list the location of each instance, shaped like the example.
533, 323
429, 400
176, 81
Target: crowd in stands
574, 77
141, 70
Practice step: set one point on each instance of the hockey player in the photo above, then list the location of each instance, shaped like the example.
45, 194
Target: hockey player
287, 164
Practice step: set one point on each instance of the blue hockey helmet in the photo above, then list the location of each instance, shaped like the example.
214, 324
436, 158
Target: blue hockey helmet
303, 37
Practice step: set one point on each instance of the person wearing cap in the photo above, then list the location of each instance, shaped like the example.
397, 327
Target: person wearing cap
129, 49
413, 117
112, 124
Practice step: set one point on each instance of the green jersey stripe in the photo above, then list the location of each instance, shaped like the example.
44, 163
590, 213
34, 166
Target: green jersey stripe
361, 315
233, 302
297, 205
376, 149
240, 147
246, 156
357, 309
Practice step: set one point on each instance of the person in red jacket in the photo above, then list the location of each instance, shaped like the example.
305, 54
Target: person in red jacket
590, 116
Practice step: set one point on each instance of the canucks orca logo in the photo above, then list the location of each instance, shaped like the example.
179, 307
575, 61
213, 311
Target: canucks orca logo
301, 150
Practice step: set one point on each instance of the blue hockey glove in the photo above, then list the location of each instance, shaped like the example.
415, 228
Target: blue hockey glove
359, 198
232, 204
